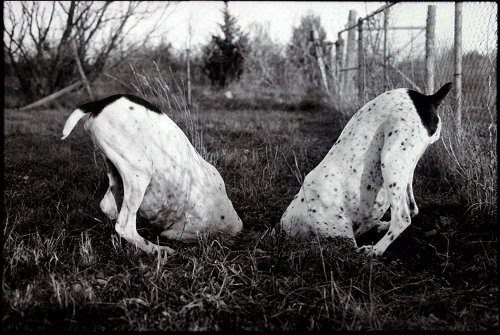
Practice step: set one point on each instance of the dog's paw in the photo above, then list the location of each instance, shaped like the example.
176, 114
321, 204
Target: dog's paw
383, 226
368, 250
414, 211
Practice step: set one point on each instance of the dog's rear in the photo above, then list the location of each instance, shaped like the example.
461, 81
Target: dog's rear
369, 169
161, 176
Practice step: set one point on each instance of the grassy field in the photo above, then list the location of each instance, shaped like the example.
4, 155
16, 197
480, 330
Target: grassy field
65, 268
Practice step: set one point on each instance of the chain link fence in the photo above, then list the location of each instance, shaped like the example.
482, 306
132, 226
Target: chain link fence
383, 51
479, 68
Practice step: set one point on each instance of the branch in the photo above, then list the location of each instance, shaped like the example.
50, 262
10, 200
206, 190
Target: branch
101, 58
43, 34
85, 10
80, 70
13, 36
69, 25
99, 22
28, 14
53, 96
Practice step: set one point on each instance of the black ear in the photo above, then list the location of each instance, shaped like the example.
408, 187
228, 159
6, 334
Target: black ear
438, 97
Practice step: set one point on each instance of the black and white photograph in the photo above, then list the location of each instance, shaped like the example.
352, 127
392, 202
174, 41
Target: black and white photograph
250, 166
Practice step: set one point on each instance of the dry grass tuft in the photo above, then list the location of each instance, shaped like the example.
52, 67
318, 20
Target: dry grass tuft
466, 157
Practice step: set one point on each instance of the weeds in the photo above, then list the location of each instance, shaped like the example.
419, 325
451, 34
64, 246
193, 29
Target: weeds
170, 98
467, 157
86, 252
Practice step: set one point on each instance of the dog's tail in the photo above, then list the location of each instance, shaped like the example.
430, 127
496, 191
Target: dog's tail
72, 121
438, 97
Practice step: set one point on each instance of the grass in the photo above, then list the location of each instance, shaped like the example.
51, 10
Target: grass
66, 269
472, 158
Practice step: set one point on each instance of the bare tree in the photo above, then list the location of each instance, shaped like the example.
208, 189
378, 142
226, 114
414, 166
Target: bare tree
38, 37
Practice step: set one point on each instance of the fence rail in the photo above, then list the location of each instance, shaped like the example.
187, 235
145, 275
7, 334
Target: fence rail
379, 52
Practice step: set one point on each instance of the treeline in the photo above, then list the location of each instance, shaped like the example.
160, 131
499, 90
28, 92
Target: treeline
36, 68
248, 61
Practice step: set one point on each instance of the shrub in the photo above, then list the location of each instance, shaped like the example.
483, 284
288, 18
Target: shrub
224, 55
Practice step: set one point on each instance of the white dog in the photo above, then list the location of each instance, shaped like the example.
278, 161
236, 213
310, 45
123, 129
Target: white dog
369, 169
152, 164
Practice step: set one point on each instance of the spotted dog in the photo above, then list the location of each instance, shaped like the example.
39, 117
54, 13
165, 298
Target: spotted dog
369, 169
154, 168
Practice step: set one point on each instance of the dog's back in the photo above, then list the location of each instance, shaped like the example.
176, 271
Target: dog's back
371, 162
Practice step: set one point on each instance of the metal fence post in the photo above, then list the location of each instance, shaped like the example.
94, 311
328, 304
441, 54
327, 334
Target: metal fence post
457, 78
430, 34
333, 67
188, 75
386, 26
361, 64
350, 59
339, 57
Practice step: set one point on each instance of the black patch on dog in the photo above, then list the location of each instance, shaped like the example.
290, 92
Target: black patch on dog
426, 110
95, 107
426, 106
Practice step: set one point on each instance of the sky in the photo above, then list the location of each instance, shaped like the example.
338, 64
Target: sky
281, 16
479, 19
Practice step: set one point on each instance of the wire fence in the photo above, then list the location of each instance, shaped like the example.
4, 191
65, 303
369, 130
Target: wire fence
382, 51
480, 59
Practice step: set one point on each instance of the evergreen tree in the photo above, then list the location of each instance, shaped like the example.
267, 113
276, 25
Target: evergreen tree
224, 56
